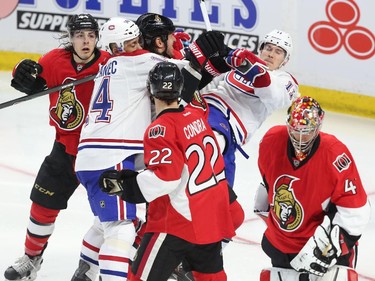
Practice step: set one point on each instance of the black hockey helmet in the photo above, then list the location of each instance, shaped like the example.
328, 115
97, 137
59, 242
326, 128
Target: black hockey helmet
82, 21
154, 25
165, 81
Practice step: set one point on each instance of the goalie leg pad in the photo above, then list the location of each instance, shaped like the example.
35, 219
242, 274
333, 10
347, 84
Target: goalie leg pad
281, 274
335, 273
342, 273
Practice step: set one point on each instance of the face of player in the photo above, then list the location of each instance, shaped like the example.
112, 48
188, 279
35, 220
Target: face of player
170, 42
84, 42
273, 55
129, 46
165, 49
132, 45
302, 140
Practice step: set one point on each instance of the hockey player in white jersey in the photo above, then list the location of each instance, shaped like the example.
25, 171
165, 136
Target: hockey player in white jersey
119, 113
240, 100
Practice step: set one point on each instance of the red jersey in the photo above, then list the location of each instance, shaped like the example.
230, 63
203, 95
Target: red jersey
68, 108
185, 181
300, 193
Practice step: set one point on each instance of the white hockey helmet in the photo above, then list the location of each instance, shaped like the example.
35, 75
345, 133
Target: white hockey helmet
117, 30
281, 39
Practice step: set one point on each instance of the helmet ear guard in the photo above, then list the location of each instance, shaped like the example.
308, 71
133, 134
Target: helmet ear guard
165, 81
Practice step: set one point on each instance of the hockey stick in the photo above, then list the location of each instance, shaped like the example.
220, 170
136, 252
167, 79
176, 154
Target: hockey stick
246, 64
48, 91
205, 15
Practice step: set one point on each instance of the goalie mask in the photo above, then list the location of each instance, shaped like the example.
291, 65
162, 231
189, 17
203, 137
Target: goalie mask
165, 81
282, 40
117, 30
304, 121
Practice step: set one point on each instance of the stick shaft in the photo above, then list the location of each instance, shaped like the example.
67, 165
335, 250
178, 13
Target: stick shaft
205, 15
48, 91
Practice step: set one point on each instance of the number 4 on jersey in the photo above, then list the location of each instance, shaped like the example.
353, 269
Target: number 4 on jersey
350, 187
102, 103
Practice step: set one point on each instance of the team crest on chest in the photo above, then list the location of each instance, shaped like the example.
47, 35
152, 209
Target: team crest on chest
156, 131
238, 82
68, 112
286, 209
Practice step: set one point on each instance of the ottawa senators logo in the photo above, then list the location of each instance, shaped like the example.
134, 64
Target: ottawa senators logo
342, 162
68, 113
286, 210
156, 131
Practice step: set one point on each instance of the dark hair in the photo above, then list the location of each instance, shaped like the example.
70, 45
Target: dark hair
152, 26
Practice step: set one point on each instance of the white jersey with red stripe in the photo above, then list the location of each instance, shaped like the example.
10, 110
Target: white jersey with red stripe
119, 112
247, 107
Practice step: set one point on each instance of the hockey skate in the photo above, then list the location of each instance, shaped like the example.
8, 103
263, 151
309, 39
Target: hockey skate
80, 273
180, 274
24, 269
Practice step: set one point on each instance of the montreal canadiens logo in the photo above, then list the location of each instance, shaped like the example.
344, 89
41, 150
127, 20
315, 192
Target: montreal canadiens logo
238, 82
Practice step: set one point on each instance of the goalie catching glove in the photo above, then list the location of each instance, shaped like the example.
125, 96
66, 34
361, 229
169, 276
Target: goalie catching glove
122, 183
26, 79
321, 251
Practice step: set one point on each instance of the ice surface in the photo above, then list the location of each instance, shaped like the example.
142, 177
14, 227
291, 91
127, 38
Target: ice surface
26, 138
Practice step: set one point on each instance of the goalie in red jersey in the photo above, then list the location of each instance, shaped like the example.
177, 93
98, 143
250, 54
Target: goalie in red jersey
313, 195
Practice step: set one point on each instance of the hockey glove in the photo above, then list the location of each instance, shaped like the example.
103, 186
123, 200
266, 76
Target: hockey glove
208, 44
111, 182
249, 66
233, 59
217, 65
25, 77
321, 250
182, 39
122, 183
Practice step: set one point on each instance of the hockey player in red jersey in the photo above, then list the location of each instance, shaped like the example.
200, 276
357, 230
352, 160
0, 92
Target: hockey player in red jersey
56, 180
185, 186
120, 99
312, 192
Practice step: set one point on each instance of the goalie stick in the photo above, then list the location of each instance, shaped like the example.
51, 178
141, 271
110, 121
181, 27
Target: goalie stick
48, 91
